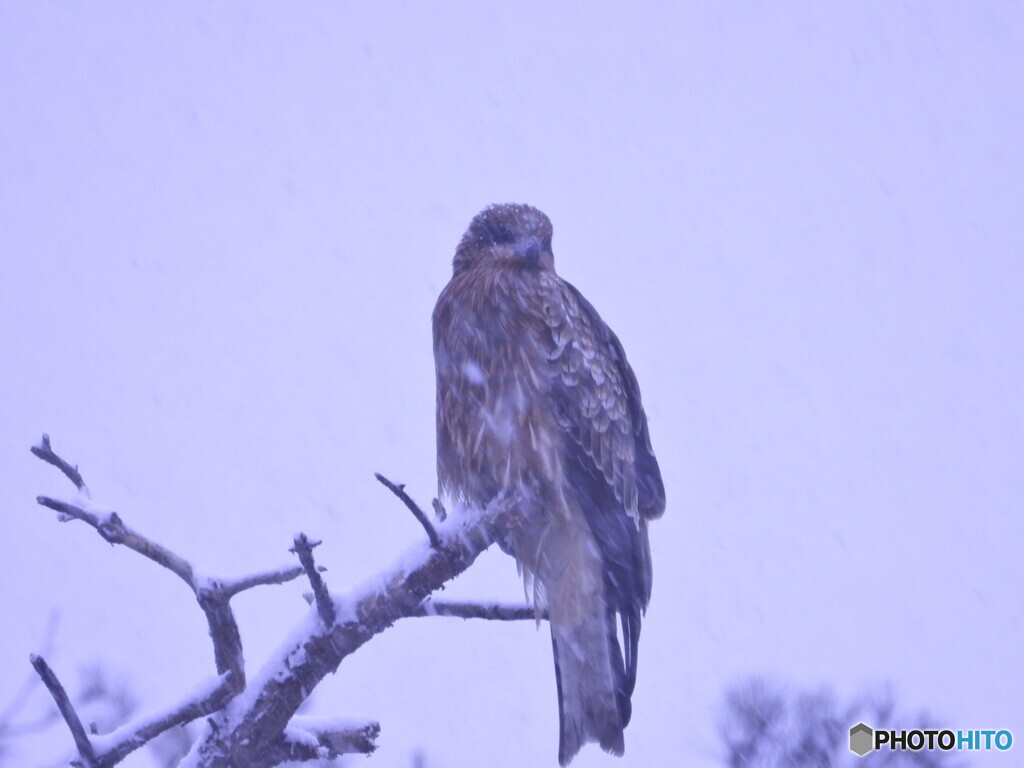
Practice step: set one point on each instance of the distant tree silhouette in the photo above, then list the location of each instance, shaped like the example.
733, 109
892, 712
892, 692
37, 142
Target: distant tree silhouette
767, 725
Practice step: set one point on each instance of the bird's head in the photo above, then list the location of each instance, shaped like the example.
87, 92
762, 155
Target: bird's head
506, 234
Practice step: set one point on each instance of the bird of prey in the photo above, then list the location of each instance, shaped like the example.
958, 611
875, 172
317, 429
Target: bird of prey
535, 398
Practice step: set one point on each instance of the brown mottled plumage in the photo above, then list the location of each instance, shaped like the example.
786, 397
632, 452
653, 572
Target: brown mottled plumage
535, 397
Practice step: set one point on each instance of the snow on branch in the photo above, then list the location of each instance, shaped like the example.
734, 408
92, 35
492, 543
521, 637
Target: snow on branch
255, 724
112, 748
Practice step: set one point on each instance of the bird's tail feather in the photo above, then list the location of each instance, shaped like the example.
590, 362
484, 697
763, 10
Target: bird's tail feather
591, 697
560, 557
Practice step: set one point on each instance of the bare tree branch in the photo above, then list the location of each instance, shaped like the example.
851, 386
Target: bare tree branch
399, 490
304, 549
227, 641
239, 736
44, 452
493, 611
224, 633
223, 628
259, 728
67, 710
113, 747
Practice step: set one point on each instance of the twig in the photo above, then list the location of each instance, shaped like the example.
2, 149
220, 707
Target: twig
279, 576
113, 530
399, 491
44, 452
303, 547
67, 709
493, 612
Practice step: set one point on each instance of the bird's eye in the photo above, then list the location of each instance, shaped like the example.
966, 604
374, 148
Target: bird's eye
503, 235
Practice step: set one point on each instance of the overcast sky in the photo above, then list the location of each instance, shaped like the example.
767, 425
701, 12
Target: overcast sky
223, 229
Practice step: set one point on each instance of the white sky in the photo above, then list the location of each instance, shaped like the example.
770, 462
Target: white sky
222, 231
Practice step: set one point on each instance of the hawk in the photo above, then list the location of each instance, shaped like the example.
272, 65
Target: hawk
535, 398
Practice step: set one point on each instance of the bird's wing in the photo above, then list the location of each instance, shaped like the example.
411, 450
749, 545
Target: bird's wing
598, 402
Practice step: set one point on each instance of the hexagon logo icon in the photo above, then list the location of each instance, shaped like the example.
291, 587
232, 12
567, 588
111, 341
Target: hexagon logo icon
861, 739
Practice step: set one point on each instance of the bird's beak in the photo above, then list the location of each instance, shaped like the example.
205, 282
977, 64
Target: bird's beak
528, 248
